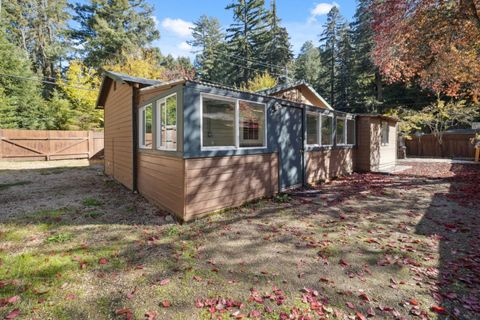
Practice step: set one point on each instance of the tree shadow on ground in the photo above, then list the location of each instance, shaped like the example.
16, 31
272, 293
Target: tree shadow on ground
457, 229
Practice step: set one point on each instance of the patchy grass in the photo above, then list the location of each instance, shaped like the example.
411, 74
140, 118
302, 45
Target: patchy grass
13, 184
395, 246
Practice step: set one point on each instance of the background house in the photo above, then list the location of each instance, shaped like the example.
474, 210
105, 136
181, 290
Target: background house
194, 147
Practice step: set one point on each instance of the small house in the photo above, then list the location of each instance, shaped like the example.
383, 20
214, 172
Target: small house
194, 147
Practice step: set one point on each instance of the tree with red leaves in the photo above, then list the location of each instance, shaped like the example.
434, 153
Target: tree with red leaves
436, 42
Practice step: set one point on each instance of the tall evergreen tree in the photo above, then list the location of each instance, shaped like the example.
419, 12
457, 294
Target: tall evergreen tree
20, 99
245, 38
344, 79
110, 30
208, 39
277, 50
38, 27
329, 50
308, 64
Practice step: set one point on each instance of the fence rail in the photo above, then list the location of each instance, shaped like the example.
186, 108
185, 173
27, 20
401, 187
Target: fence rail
16, 144
455, 145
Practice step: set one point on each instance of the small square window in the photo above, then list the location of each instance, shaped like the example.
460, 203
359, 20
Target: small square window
312, 129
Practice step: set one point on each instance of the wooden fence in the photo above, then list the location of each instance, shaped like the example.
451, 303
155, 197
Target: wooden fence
18, 144
455, 145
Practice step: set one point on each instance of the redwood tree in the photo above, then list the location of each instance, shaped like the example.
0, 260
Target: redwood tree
436, 42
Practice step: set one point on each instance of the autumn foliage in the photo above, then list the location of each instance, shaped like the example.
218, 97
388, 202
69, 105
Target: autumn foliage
434, 42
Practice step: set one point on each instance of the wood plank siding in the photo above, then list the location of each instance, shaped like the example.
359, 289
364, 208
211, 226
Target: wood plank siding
161, 180
327, 164
221, 182
118, 134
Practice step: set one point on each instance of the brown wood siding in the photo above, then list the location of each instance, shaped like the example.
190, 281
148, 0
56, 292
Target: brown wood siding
161, 180
455, 145
301, 94
118, 134
222, 182
327, 164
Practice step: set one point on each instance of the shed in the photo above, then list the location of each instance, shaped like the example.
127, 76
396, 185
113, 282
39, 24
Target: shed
193, 147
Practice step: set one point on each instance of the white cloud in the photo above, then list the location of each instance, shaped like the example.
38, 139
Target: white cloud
155, 20
178, 26
321, 9
184, 46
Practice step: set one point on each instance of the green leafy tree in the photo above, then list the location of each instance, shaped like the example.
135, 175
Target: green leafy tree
110, 30
308, 65
20, 99
208, 39
261, 81
329, 51
277, 51
39, 27
246, 38
344, 78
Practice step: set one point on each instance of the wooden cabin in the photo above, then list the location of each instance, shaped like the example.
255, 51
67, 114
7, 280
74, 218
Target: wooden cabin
194, 147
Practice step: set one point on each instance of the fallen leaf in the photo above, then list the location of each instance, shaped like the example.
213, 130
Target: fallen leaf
166, 304
438, 309
164, 282
360, 316
413, 302
350, 305
126, 312
103, 261
151, 315
71, 296
13, 314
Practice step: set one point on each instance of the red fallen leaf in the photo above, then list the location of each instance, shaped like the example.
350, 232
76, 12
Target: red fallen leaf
13, 299
214, 270
131, 293
324, 280
254, 314
83, 265
364, 296
139, 267
438, 309
413, 302
360, 316
343, 263
151, 315
126, 312
166, 304
103, 261
164, 282
71, 296
350, 305
199, 303
371, 312
13, 314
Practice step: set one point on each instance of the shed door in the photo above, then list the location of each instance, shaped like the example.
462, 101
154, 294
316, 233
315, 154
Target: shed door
290, 147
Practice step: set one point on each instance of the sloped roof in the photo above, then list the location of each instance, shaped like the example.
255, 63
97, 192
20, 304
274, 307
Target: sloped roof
109, 76
287, 86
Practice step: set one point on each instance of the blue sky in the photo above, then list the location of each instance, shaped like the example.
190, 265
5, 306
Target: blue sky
302, 18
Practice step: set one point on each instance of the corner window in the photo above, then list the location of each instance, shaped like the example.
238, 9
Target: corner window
385, 133
350, 131
252, 124
146, 126
232, 123
312, 129
166, 118
340, 132
327, 130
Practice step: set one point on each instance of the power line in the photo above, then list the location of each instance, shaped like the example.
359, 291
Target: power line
47, 82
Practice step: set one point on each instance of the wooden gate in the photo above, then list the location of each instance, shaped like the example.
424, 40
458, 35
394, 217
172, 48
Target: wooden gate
18, 144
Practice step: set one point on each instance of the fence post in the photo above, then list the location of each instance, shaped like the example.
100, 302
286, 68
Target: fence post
1, 144
49, 144
89, 144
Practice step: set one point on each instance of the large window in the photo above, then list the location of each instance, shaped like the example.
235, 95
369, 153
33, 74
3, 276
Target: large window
385, 133
312, 129
340, 131
231, 123
146, 126
252, 124
350, 131
167, 123
327, 130
218, 123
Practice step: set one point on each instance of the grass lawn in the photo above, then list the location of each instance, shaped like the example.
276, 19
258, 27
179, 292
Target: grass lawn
76, 245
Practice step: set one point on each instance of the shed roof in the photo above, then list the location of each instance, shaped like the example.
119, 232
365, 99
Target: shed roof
301, 83
379, 116
108, 76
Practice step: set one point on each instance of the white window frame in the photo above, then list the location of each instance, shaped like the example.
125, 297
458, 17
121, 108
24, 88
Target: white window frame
319, 132
141, 124
381, 133
354, 130
236, 123
332, 136
344, 130
158, 122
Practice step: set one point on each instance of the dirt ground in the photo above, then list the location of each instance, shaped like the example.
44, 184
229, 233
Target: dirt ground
76, 245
